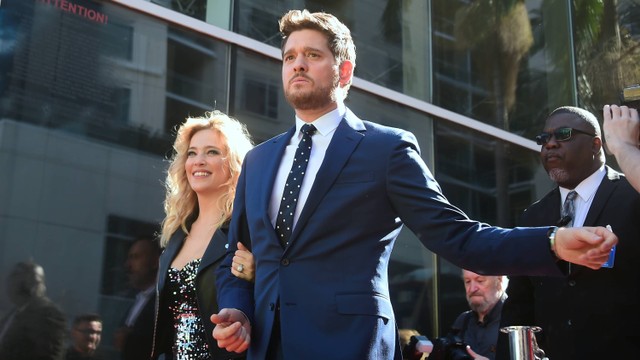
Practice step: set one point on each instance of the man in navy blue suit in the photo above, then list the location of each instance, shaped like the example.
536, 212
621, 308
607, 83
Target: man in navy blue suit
322, 292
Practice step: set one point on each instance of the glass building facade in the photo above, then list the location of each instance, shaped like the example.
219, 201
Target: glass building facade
91, 92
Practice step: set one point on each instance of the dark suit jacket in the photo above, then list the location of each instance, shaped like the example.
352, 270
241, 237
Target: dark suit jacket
139, 340
206, 293
37, 332
73, 354
591, 314
331, 282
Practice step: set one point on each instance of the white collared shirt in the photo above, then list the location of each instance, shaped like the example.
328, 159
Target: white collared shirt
586, 192
326, 126
141, 300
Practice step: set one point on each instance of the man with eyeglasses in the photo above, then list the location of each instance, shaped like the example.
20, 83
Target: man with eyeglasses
86, 333
589, 314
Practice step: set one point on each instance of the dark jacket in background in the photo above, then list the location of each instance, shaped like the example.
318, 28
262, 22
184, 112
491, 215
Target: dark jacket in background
73, 354
139, 340
37, 331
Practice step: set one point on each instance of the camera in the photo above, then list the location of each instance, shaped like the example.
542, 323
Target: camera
630, 96
417, 346
450, 347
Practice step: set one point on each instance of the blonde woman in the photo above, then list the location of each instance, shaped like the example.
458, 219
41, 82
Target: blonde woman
200, 189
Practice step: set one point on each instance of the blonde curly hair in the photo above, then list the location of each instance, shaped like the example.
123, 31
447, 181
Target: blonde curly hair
181, 202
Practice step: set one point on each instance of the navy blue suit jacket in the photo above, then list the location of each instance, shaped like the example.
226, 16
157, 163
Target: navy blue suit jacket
331, 281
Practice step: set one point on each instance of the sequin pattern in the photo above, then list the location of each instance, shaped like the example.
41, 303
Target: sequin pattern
190, 342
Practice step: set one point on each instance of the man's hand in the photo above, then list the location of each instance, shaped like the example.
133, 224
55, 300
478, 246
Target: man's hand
587, 246
621, 128
475, 355
232, 331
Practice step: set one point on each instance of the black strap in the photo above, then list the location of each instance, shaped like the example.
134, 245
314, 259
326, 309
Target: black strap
465, 324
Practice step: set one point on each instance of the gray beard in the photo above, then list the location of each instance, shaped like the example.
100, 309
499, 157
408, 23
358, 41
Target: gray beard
558, 175
479, 308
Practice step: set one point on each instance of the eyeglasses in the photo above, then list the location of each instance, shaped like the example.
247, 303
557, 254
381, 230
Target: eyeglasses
89, 331
561, 134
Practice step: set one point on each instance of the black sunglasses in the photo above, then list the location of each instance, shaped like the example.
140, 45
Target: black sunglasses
561, 134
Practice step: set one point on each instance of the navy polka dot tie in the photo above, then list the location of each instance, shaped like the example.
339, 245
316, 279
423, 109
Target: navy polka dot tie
284, 221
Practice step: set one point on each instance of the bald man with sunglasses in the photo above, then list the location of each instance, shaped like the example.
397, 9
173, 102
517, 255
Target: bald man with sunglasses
589, 314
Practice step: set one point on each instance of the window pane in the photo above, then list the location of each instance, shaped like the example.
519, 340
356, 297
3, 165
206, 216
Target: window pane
90, 94
607, 45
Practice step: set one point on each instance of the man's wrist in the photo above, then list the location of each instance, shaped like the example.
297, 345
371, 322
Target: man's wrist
551, 234
243, 314
621, 146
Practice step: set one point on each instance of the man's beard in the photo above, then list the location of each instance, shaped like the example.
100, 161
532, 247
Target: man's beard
479, 307
313, 99
559, 176
485, 304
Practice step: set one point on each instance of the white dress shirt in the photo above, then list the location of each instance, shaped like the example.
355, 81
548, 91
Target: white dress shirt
586, 192
326, 126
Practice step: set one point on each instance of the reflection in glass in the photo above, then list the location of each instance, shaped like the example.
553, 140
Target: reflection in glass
87, 111
494, 60
379, 45
258, 99
127, 80
466, 171
607, 39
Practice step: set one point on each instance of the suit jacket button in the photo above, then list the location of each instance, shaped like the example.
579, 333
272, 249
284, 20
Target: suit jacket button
284, 262
272, 306
572, 283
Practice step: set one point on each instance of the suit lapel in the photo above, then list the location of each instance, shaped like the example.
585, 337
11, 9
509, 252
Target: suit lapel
554, 202
170, 252
271, 161
551, 214
348, 135
216, 249
603, 194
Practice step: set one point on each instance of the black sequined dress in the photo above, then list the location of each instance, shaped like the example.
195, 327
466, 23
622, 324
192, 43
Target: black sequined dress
189, 342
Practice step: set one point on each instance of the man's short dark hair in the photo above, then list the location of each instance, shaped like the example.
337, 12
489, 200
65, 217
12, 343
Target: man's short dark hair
88, 317
583, 114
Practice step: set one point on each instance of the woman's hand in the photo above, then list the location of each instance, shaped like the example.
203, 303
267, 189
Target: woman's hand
243, 266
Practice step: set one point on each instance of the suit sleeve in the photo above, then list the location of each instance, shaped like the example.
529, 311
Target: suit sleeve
447, 231
232, 291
